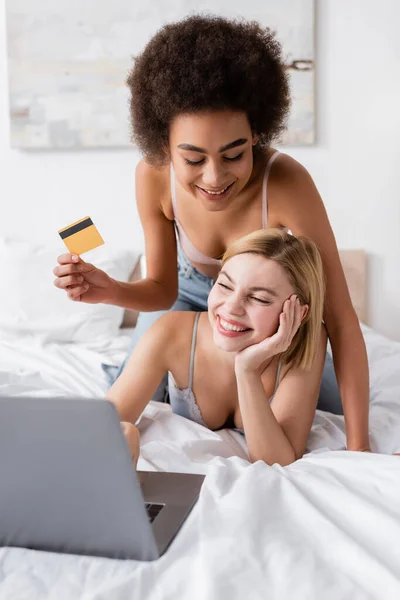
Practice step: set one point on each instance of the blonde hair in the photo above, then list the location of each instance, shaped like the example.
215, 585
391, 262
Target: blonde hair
299, 257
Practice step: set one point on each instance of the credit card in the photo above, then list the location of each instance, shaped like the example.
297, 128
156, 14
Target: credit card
81, 236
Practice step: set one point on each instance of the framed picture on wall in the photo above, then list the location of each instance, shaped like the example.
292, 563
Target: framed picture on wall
68, 61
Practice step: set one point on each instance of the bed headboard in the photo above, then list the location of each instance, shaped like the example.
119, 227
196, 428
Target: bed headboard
354, 264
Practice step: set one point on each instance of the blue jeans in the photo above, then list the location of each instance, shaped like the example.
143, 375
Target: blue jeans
194, 288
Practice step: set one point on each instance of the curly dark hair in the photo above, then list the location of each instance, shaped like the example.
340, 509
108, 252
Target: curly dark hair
207, 62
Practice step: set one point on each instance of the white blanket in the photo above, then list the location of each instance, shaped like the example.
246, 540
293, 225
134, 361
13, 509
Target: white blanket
326, 527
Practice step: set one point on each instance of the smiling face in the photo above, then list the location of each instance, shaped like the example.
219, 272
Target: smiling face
212, 155
246, 301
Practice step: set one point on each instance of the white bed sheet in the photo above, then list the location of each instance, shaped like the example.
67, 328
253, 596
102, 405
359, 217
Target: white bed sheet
326, 527
29, 366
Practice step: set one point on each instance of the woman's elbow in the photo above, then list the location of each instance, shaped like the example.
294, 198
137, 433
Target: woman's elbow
121, 407
168, 299
110, 397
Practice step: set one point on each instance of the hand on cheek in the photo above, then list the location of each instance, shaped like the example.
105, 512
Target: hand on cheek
256, 357
289, 322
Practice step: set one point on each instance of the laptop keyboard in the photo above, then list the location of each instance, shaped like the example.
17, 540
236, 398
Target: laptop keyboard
153, 510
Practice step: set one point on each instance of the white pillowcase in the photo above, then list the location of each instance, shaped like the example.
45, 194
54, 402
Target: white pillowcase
30, 305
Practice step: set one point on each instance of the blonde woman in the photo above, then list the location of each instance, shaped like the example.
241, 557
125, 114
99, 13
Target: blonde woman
254, 361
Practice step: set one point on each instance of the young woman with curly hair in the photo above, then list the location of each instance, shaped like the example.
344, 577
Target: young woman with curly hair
208, 97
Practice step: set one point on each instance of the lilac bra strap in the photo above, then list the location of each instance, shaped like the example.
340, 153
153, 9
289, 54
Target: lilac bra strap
173, 191
264, 189
192, 350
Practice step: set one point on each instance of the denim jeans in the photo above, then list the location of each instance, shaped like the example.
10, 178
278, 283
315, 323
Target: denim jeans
194, 288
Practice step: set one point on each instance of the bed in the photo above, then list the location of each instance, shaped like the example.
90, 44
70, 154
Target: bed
326, 527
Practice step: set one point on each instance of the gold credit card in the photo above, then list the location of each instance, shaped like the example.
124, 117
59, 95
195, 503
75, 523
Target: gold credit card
81, 236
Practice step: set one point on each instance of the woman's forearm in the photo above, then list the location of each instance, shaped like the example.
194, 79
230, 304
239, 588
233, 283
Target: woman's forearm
351, 366
145, 295
145, 369
264, 436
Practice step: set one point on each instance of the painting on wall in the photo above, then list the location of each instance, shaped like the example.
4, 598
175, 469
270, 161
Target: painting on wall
68, 61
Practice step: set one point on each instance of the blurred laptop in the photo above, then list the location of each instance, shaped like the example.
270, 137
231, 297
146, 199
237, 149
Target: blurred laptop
68, 483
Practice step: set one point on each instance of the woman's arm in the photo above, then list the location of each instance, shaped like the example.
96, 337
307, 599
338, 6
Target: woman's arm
84, 282
132, 437
146, 367
302, 211
278, 433
160, 288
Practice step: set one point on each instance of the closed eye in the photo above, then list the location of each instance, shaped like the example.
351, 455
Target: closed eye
238, 157
194, 163
261, 300
223, 286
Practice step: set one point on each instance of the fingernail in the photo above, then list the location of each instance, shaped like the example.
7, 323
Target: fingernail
75, 258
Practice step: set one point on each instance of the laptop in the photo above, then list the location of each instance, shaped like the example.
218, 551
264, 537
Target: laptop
67, 483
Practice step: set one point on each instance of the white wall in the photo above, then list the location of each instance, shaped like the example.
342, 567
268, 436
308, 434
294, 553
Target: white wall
353, 163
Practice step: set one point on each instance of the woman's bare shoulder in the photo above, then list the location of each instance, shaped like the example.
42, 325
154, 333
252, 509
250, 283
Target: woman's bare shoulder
287, 170
174, 326
153, 184
147, 172
287, 177
172, 335
293, 199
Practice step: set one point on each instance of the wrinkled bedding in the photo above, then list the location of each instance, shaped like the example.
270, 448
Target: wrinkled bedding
326, 527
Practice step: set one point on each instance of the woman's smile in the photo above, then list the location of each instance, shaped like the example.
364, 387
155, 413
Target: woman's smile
231, 328
212, 195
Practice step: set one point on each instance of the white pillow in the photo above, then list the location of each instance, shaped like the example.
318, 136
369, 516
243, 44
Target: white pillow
30, 305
